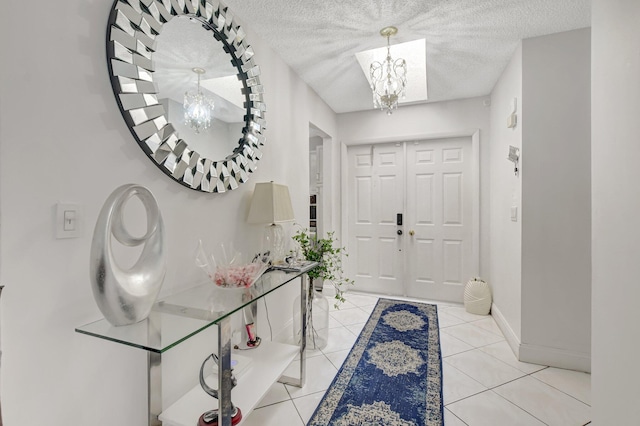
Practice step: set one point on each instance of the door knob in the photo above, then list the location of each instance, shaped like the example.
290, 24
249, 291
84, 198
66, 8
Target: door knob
399, 231
412, 232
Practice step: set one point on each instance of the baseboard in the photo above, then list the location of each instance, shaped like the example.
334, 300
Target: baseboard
512, 338
541, 355
554, 357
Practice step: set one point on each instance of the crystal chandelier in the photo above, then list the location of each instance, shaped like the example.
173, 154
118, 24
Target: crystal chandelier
198, 109
388, 78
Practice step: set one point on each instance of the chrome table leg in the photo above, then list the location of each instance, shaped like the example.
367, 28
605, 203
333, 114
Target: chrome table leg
299, 382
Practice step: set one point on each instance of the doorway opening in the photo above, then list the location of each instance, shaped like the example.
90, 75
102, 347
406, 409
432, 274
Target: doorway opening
316, 192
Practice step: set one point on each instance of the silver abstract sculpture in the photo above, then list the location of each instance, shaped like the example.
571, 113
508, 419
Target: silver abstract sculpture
212, 417
126, 296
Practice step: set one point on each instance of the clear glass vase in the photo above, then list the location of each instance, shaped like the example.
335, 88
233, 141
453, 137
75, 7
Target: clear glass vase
317, 319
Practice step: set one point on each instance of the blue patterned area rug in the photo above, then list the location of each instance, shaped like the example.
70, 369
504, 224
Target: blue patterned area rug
393, 374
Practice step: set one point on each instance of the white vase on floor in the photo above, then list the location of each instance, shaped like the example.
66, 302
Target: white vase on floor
477, 297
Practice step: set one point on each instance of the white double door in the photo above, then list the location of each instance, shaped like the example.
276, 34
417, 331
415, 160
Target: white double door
410, 216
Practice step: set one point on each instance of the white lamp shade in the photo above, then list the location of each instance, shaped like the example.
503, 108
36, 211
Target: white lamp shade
270, 203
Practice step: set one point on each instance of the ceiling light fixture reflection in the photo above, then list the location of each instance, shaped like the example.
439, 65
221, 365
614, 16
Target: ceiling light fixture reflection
198, 108
388, 78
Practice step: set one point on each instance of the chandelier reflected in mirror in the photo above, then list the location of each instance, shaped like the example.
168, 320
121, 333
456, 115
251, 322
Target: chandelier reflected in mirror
388, 78
198, 108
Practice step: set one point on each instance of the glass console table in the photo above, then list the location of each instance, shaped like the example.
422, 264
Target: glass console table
176, 318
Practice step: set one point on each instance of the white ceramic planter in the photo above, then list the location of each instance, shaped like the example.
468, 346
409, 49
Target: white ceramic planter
477, 297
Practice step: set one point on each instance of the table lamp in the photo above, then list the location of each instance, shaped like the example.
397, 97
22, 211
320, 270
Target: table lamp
271, 204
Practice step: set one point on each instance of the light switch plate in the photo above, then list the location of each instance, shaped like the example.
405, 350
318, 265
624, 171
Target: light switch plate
514, 213
68, 220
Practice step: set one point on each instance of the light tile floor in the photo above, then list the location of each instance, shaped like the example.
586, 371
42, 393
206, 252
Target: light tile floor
483, 382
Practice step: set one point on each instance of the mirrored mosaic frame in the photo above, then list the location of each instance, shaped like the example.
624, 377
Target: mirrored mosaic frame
131, 41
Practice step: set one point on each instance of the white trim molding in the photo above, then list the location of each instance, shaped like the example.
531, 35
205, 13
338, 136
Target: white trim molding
512, 338
555, 357
541, 355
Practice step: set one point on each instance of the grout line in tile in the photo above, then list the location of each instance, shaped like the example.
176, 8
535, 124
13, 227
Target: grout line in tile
297, 411
454, 415
492, 387
510, 381
499, 396
516, 405
466, 397
560, 390
312, 393
273, 403
457, 353
484, 329
461, 399
472, 348
368, 312
288, 393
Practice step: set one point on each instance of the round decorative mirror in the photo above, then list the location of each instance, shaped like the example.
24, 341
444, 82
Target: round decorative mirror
188, 79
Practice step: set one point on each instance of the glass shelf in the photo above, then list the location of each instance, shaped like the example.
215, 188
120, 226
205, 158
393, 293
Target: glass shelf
176, 318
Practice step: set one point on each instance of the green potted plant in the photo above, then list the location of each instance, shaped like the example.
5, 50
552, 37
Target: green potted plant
328, 254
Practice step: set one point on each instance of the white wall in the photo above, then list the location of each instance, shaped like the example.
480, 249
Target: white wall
556, 199
62, 139
417, 122
540, 265
615, 233
506, 192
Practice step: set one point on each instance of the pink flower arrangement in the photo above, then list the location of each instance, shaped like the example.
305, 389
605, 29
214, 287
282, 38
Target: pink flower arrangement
233, 273
238, 276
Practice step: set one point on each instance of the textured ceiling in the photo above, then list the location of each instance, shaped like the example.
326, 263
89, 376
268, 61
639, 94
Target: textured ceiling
469, 42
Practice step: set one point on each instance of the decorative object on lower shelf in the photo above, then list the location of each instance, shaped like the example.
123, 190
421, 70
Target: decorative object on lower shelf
240, 364
211, 417
126, 296
477, 297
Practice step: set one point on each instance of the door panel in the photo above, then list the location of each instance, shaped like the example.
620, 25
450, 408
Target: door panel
424, 199
388, 249
375, 197
439, 212
363, 200
452, 201
452, 255
425, 252
386, 206
365, 250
